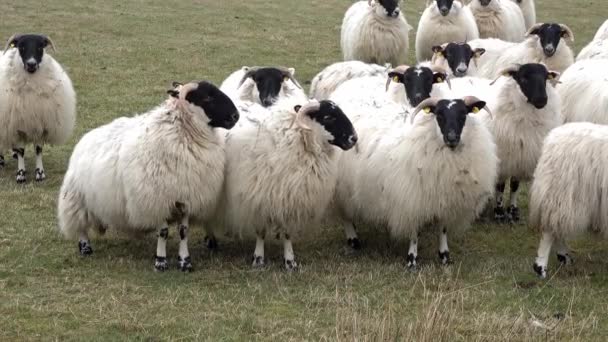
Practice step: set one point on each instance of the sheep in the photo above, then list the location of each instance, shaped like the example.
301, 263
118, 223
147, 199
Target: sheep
528, 9
524, 110
598, 47
326, 81
542, 45
375, 31
568, 194
583, 89
148, 171
281, 172
37, 100
438, 170
500, 19
444, 21
456, 58
263, 85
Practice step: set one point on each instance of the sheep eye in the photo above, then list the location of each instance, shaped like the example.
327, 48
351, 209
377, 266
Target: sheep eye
329, 118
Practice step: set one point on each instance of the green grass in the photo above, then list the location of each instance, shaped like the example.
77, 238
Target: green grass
122, 55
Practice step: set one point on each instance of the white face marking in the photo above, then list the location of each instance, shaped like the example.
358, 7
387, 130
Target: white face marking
31, 60
418, 71
451, 104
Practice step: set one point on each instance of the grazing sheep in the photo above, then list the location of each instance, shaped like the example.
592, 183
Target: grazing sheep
568, 196
525, 108
375, 31
456, 58
438, 170
583, 89
37, 100
500, 19
263, 85
281, 172
148, 171
528, 9
598, 47
326, 81
444, 21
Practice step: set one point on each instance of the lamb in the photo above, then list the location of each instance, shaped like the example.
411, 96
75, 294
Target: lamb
568, 195
456, 58
37, 100
281, 172
583, 89
263, 85
444, 21
326, 81
528, 9
500, 19
375, 31
148, 171
598, 47
525, 109
542, 45
438, 170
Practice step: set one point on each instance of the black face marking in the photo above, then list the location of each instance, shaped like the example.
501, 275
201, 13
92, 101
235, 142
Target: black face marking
451, 116
550, 36
391, 7
500, 187
418, 83
164, 233
333, 119
18, 152
38, 150
444, 6
182, 231
514, 184
217, 105
31, 49
269, 82
84, 247
532, 80
459, 56
1, 160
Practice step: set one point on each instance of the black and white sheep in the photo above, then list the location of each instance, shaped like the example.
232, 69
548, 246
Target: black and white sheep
457, 58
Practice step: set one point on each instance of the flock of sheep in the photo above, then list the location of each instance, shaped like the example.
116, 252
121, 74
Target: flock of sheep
407, 148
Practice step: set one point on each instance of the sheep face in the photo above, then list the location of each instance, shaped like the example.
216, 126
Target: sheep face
418, 82
269, 82
444, 6
458, 56
550, 36
31, 49
335, 122
532, 81
216, 105
389, 8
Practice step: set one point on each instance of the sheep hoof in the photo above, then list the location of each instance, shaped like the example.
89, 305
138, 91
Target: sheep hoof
412, 263
161, 264
20, 176
354, 243
513, 214
40, 175
499, 215
444, 257
291, 265
540, 271
85, 248
211, 243
565, 259
184, 265
258, 261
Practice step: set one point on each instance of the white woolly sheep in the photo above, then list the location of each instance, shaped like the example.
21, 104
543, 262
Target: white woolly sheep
263, 85
457, 58
500, 19
281, 172
542, 45
528, 9
583, 90
438, 171
326, 81
568, 196
375, 31
37, 100
148, 171
598, 47
443, 21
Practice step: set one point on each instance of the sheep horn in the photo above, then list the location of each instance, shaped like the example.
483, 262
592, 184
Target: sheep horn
400, 69
288, 73
431, 101
50, 43
568, 31
469, 100
310, 106
505, 71
10, 40
248, 73
533, 28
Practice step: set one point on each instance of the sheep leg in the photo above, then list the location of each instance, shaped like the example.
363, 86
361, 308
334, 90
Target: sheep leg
444, 252
513, 211
544, 249
288, 256
412, 255
40, 175
184, 262
499, 210
258, 254
84, 244
161, 264
351, 236
563, 252
210, 241
19, 154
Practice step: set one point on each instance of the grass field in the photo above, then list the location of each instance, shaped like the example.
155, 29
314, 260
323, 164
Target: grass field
121, 56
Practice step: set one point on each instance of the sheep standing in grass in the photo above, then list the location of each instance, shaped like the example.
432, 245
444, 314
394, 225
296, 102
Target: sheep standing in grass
145, 172
281, 172
438, 170
263, 85
583, 90
528, 9
37, 100
598, 47
568, 196
326, 81
500, 19
444, 21
375, 31
457, 58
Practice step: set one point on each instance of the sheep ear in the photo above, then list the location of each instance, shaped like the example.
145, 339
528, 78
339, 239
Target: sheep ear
476, 107
176, 84
478, 52
49, 42
566, 32
297, 108
439, 77
395, 76
438, 50
173, 93
553, 77
12, 42
534, 29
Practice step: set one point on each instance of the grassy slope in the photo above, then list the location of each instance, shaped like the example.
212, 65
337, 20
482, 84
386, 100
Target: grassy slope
121, 56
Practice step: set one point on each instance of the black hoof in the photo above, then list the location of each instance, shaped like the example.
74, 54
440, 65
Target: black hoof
540, 271
85, 248
500, 215
211, 243
20, 176
513, 214
444, 258
565, 259
291, 265
161, 264
412, 262
257, 261
184, 265
354, 243
40, 175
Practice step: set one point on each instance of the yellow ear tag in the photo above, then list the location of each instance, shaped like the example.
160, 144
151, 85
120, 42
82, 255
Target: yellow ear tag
427, 110
439, 80
550, 76
475, 110
396, 79
439, 54
12, 45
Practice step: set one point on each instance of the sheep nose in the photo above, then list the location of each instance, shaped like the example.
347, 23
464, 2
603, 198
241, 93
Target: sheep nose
444, 11
395, 13
234, 117
352, 140
461, 69
452, 139
549, 50
31, 65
